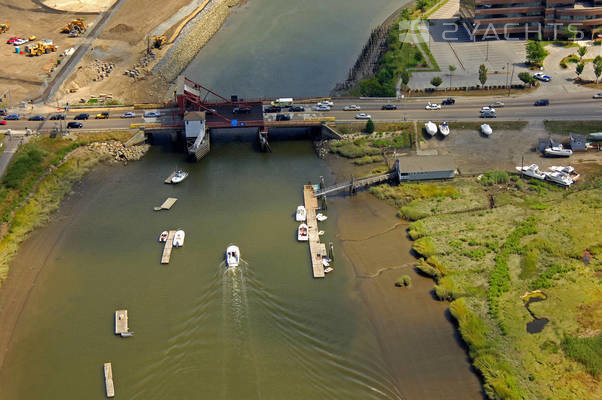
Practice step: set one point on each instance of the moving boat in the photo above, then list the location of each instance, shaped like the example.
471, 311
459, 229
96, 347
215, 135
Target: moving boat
444, 128
232, 256
431, 128
127, 334
301, 214
179, 176
302, 233
533, 171
557, 151
559, 178
163, 236
178, 239
321, 217
486, 130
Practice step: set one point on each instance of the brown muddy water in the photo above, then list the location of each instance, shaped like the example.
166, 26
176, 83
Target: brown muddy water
264, 331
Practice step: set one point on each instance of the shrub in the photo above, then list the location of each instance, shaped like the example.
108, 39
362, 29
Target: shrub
494, 177
27, 162
369, 126
411, 213
445, 289
417, 230
424, 246
403, 281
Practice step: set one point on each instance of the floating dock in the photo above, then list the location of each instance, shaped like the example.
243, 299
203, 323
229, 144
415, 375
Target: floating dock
167, 204
316, 249
110, 388
168, 180
121, 321
168, 247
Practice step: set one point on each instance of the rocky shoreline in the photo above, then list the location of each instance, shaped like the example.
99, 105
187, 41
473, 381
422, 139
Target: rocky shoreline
117, 151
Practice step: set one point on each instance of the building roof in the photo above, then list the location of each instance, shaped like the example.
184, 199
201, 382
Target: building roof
426, 163
194, 116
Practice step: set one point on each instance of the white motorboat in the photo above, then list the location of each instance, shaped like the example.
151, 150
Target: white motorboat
559, 178
179, 176
558, 151
178, 239
321, 233
301, 214
444, 128
126, 334
328, 270
431, 128
325, 262
321, 217
302, 233
486, 130
232, 256
163, 236
567, 169
533, 171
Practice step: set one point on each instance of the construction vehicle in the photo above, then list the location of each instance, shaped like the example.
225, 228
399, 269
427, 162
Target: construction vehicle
4, 27
156, 42
39, 48
75, 27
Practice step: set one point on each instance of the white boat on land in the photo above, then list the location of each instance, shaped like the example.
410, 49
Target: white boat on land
321, 217
431, 128
179, 176
232, 256
328, 270
163, 236
178, 239
533, 171
567, 169
558, 151
486, 130
301, 214
302, 233
444, 128
559, 178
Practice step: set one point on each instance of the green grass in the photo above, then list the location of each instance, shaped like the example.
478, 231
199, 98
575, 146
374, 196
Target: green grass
495, 178
403, 281
587, 351
368, 160
566, 127
425, 247
495, 125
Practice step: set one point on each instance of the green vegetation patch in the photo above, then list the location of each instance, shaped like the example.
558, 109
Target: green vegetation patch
566, 127
587, 351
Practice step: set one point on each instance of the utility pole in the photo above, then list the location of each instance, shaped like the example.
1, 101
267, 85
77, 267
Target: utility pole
511, 77
507, 72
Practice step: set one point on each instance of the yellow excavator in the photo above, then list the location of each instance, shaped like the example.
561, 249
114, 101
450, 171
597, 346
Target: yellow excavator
4, 27
39, 48
156, 42
75, 27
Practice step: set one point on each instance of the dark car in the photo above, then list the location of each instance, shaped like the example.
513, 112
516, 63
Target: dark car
488, 114
82, 116
542, 102
389, 107
448, 102
12, 117
241, 110
37, 118
296, 108
74, 124
2, 112
57, 117
272, 109
283, 117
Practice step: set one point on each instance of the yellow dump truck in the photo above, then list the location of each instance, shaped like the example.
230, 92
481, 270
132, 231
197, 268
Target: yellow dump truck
4, 27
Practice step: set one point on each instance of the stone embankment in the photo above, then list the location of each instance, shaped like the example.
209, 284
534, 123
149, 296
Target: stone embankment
117, 151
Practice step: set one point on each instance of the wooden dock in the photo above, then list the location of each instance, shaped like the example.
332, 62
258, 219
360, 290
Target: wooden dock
121, 321
167, 204
168, 180
110, 388
168, 247
317, 250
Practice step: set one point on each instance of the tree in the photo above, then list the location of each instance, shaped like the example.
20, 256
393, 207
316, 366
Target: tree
482, 74
582, 50
369, 126
436, 81
597, 67
535, 53
579, 70
526, 78
405, 77
452, 68
406, 14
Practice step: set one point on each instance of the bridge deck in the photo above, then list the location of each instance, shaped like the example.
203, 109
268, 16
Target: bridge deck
317, 250
355, 184
168, 247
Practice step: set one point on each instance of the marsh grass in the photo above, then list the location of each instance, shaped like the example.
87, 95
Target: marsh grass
587, 351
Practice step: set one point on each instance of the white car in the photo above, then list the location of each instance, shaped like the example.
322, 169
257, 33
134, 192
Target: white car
598, 96
542, 77
152, 114
487, 109
352, 107
321, 107
19, 42
433, 106
128, 114
326, 103
363, 116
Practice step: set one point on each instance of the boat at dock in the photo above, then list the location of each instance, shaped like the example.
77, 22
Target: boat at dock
558, 151
163, 236
328, 270
444, 128
126, 334
301, 214
532, 171
179, 176
321, 217
232, 256
178, 239
302, 233
431, 128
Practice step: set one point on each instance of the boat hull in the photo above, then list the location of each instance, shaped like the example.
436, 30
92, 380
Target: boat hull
232, 256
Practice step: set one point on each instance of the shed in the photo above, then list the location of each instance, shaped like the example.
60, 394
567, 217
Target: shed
545, 143
194, 124
578, 142
417, 168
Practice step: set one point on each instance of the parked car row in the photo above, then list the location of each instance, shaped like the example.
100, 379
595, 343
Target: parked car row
277, 109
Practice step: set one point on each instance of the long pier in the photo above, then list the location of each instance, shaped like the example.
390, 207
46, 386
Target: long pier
109, 387
168, 247
354, 184
317, 250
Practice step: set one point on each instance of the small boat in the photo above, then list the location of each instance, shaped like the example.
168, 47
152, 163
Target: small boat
486, 130
444, 128
325, 262
179, 176
567, 169
596, 136
559, 178
558, 151
302, 233
321, 233
321, 217
301, 214
127, 334
328, 270
232, 256
178, 239
533, 171
431, 128
163, 236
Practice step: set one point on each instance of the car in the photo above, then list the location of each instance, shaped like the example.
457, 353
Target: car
36, 118
13, 39
488, 114
2, 112
448, 102
542, 77
326, 103
272, 109
81, 116
283, 117
487, 109
102, 115
241, 110
389, 107
19, 42
12, 117
597, 96
352, 107
129, 114
496, 104
74, 124
210, 111
321, 107
542, 102
363, 116
152, 114
296, 108
433, 106
3, 122
57, 117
